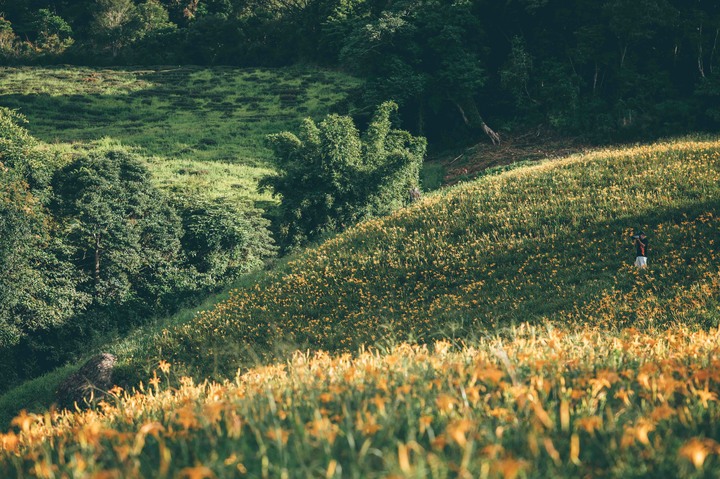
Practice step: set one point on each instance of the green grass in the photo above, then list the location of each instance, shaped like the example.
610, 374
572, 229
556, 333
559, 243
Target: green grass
200, 128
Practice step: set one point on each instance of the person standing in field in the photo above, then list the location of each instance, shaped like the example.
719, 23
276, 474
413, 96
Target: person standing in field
641, 249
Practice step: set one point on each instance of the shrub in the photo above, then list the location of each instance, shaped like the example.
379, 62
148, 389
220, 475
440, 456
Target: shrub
37, 289
221, 240
330, 177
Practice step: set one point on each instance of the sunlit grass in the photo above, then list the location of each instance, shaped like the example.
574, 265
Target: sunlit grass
180, 117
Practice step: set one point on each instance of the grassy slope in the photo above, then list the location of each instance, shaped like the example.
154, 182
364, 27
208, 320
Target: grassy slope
201, 129
545, 244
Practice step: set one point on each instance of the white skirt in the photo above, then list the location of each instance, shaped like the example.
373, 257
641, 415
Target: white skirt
641, 261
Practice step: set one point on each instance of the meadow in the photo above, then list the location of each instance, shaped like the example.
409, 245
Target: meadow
202, 130
493, 329
543, 403
540, 243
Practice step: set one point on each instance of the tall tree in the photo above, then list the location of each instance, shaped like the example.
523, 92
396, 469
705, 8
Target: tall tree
114, 24
37, 290
123, 236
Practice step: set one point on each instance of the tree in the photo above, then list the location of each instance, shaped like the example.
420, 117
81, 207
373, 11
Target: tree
37, 288
7, 38
123, 236
152, 17
54, 35
115, 24
220, 240
329, 177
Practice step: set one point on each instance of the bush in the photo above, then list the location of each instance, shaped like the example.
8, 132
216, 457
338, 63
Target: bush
37, 289
329, 177
221, 240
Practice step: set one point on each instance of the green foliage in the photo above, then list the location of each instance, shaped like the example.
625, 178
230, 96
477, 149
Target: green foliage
37, 290
153, 17
428, 56
329, 177
114, 24
123, 237
19, 151
221, 240
515, 74
55, 35
8, 39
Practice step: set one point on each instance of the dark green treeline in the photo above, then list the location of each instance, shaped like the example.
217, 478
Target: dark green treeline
607, 70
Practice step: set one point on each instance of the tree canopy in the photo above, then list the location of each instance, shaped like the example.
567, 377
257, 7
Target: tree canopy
37, 288
611, 69
329, 177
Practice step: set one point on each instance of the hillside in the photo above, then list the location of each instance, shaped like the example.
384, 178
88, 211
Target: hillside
200, 129
540, 243
555, 356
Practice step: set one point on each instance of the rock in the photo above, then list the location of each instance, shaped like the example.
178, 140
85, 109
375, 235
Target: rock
89, 384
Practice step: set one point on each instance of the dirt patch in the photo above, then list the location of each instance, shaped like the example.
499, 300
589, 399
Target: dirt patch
533, 145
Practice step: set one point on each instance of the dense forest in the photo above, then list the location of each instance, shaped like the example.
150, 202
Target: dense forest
607, 71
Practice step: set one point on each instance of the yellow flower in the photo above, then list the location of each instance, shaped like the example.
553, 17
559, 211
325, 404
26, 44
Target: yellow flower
278, 434
197, 472
445, 402
589, 424
457, 430
164, 366
695, 450
509, 468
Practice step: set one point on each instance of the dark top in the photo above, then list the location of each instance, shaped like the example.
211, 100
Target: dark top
641, 246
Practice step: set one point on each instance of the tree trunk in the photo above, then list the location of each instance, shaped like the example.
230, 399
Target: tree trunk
712, 52
701, 65
421, 119
595, 78
494, 137
476, 121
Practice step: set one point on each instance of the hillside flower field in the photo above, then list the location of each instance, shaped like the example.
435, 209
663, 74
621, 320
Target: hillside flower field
495, 329
542, 403
543, 243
